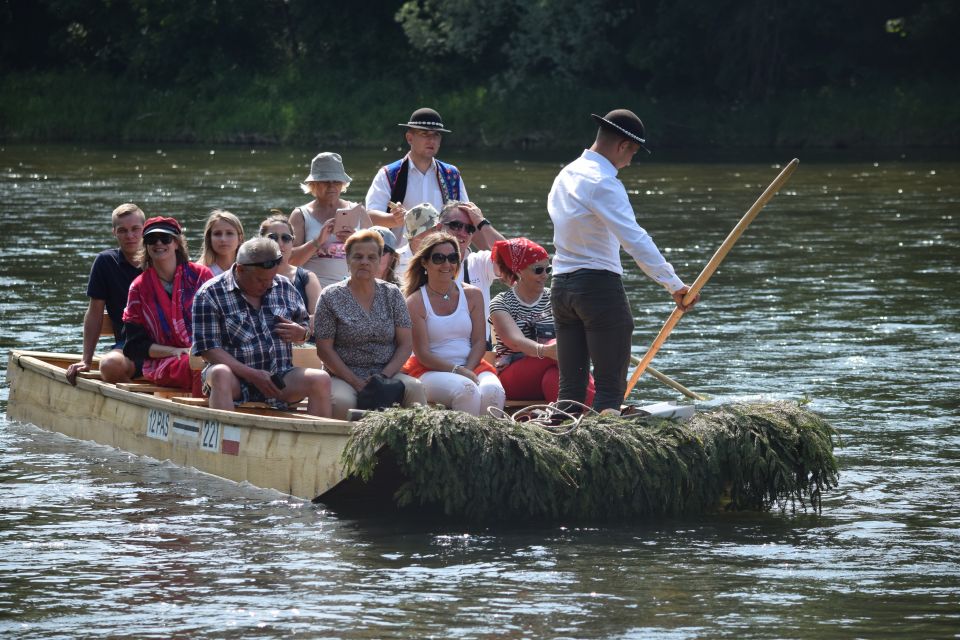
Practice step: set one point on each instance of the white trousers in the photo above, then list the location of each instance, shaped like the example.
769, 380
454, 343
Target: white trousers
456, 392
344, 396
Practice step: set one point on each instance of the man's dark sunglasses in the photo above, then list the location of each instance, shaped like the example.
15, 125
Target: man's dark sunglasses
439, 258
154, 238
539, 270
456, 225
286, 237
266, 264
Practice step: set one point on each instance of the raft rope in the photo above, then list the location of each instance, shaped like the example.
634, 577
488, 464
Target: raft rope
544, 416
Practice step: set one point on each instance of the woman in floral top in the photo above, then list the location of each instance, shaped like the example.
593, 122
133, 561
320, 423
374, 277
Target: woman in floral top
362, 327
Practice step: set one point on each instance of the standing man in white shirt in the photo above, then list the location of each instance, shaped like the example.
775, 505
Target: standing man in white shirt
418, 177
592, 219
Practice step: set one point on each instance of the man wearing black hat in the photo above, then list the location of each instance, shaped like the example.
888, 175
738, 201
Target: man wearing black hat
593, 219
419, 177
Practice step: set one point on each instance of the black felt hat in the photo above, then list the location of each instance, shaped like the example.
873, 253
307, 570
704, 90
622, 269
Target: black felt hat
427, 119
624, 122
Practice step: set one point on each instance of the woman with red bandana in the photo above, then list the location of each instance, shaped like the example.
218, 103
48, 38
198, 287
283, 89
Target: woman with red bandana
523, 321
158, 323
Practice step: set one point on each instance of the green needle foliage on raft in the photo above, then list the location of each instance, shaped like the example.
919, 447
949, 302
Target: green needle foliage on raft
742, 456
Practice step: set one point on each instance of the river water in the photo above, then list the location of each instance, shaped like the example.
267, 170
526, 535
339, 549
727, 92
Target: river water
844, 291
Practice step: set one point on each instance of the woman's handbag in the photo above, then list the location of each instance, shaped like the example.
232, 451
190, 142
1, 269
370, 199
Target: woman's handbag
380, 392
544, 332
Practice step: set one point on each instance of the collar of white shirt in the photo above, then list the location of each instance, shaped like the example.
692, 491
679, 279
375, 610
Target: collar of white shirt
606, 167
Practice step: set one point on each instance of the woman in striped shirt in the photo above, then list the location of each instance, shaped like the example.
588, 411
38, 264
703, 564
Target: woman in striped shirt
523, 321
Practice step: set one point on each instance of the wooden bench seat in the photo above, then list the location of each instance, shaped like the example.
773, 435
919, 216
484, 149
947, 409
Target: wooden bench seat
148, 387
205, 402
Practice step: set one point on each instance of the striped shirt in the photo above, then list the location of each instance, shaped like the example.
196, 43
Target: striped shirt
525, 315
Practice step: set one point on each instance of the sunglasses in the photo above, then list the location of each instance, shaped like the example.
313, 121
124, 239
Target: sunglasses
154, 238
440, 258
266, 264
285, 237
539, 270
456, 225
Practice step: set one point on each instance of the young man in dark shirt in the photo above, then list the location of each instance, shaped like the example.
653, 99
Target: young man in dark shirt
110, 278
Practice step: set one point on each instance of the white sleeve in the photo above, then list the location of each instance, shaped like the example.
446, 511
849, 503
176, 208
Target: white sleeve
610, 198
463, 191
378, 195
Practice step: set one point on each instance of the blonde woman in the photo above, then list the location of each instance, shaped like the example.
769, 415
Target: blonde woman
222, 237
449, 331
317, 224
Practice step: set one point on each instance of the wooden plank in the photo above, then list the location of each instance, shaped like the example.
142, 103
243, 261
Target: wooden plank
520, 404
146, 387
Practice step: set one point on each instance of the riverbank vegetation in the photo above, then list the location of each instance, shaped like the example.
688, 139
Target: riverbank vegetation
504, 73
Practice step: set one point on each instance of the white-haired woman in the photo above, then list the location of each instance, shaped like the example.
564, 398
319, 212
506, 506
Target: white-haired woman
318, 225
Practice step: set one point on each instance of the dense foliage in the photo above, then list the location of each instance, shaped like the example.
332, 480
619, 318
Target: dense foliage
744, 456
533, 62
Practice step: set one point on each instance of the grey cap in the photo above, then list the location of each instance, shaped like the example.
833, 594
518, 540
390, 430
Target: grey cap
389, 240
420, 218
327, 167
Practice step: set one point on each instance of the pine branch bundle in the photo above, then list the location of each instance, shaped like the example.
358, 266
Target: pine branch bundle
748, 456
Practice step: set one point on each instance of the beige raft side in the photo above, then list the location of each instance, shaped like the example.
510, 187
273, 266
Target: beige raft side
295, 455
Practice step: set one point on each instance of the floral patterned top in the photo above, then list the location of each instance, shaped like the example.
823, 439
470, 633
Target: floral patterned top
364, 341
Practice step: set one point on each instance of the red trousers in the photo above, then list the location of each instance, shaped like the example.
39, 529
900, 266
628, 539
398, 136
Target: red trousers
531, 378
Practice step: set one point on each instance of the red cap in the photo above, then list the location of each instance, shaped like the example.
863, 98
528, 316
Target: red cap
160, 224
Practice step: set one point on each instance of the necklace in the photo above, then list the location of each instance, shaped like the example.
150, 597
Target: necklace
445, 296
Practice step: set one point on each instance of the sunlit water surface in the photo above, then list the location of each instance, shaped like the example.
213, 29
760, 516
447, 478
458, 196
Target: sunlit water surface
843, 291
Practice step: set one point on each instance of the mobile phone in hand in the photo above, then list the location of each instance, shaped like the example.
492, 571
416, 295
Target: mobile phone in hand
278, 381
347, 220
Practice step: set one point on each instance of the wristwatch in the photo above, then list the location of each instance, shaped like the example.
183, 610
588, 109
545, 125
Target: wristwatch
483, 223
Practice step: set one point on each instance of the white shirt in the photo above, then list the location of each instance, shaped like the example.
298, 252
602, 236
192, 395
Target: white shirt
592, 218
478, 263
421, 187
482, 275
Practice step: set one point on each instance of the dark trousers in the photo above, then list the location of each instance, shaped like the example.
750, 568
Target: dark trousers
594, 323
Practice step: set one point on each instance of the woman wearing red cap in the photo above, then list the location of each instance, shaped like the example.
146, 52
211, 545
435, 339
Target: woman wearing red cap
157, 322
523, 321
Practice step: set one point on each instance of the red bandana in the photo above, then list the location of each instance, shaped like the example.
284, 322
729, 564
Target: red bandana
518, 253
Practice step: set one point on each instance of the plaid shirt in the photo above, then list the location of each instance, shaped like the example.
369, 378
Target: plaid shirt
223, 319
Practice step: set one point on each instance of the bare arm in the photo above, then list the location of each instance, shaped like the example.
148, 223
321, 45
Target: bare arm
92, 325
510, 334
486, 236
313, 294
478, 332
303, 252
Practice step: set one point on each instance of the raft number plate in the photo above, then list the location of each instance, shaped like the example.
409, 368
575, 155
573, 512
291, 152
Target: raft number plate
158, 425
210, 436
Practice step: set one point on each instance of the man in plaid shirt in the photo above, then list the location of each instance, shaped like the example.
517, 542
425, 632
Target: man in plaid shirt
244, 322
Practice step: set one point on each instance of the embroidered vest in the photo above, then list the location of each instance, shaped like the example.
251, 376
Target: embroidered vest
448, 178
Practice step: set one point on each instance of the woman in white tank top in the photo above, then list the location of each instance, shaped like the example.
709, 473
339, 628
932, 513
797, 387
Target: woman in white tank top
449, 331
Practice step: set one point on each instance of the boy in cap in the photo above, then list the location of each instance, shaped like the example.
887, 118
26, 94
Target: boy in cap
593, 219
